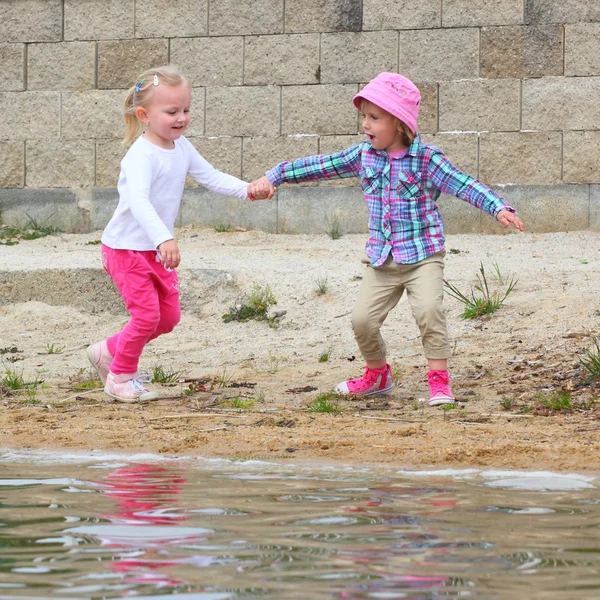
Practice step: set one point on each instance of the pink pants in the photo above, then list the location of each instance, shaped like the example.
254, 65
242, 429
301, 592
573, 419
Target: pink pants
151, 296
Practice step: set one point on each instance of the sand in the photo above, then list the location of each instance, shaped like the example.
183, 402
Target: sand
55, 300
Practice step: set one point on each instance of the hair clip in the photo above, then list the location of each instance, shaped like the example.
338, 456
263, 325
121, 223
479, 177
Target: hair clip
156, 80
138, 85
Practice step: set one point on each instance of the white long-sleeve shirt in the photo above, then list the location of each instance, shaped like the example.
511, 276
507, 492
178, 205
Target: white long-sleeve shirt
150, 187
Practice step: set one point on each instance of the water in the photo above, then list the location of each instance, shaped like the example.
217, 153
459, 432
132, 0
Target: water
109, 527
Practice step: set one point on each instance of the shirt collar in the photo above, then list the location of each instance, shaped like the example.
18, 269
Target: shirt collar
413, 149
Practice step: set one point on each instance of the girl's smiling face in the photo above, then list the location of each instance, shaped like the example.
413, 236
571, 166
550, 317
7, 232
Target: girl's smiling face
167, 114
381, 128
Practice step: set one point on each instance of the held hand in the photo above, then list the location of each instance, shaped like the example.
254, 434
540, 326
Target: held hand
506, 218
169, 254
261, 189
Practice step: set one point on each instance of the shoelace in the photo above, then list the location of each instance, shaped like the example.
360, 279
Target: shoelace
137, 383
370, 376
438, 385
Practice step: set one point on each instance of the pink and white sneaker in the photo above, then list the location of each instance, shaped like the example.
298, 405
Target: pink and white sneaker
373, 381
439, 388
128, 387
100, 358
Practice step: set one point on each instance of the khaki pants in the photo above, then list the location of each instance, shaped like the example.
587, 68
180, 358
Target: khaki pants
380, 291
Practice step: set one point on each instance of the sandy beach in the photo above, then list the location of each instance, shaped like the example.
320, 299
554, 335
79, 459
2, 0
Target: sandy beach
248, 390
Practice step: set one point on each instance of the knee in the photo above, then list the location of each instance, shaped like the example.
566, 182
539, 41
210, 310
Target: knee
168, 322
148, 323
363, 326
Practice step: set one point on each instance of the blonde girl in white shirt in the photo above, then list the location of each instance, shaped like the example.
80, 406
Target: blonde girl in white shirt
139, 250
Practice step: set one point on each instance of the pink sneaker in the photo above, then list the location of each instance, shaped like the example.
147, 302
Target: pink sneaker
128, 387
439, 388
100, 358
373, 381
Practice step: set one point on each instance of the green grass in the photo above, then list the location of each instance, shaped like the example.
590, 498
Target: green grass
480, 301
325, 355
243, 403
328, 402
222, 228
12, 383
161, 374
321, 285
591, 360
86, 379
53, 349
254, 305
556, 401
223, 379
333, 228
31, 230
507, 403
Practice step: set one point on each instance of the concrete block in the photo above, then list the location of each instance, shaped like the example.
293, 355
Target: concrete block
562, 11
323, 109
314, 209
120, 62
103, 205
473, 13
439, 54
428, 114
12, 164
223, 153
409, 14
461, 149
27, 115
582, 49
480, 105
202, 207
306, 16
245, 111
168, 19
595, 207
51, 208
85, 20
282, 59
557, 103
357, 57
521, 158
328, 144
12, 74
232, 17
581, 156
92, 114
109, 154
225, 66
261, 153
33, 21
546, 208
60, 163
521, 51
62, 66
459, 216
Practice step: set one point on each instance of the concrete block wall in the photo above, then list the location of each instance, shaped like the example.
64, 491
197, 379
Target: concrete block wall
510, 93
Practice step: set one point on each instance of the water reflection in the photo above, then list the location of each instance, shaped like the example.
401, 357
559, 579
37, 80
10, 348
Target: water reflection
159, 529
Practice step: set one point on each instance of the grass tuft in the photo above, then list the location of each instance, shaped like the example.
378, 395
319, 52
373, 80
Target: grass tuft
53, 349
327, 402
254, 305
161, 374
591, 361
333, 228
481, 301
222, 228
321, 285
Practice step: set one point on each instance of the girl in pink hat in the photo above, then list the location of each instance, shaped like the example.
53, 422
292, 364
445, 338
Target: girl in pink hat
402, 177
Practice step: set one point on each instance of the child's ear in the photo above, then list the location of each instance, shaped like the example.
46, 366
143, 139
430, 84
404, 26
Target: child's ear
142, 114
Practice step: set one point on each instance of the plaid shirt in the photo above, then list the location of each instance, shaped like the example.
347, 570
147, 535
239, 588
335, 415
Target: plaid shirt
401, 194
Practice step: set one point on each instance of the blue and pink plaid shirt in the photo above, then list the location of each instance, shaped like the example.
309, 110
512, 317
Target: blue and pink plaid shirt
401, 194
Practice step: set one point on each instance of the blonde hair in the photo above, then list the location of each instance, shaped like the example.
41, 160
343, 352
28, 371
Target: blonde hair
141, 93
406, 133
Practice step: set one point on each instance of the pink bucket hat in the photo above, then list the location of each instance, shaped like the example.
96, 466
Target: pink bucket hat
396, 94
